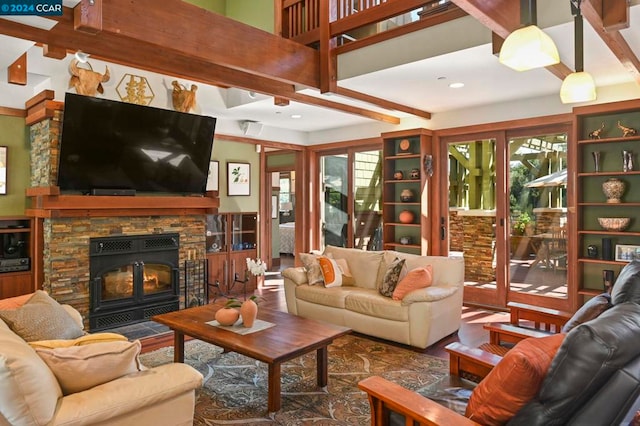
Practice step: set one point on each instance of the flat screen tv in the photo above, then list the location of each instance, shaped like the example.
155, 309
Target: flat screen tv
116, 147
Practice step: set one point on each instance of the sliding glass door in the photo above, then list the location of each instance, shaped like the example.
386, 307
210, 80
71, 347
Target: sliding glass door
508, 215
538, 219
350, 198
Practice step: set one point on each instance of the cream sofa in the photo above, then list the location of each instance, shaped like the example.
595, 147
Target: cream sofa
31, 395
422, 318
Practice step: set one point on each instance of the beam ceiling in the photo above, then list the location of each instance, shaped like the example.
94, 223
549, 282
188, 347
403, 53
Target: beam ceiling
193, 44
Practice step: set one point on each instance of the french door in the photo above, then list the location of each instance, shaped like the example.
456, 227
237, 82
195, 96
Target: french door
350, 198
507, 214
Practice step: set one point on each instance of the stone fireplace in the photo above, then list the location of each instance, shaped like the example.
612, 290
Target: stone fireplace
66, 225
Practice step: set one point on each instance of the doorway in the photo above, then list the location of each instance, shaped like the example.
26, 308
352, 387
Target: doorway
507, 215
350, 198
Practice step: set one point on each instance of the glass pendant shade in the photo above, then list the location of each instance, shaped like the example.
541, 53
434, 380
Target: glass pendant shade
528, 48
578, 87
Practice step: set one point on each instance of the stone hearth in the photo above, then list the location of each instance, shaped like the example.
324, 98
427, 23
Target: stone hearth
64, 224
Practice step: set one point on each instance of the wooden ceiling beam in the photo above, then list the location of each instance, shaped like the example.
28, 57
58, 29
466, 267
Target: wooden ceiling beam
54, 52
87, 16
177, 26
308, 99
17, 71
596, 14
381, 102
503, 17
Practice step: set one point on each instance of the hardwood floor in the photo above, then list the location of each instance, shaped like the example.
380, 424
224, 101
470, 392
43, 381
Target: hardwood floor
271, 295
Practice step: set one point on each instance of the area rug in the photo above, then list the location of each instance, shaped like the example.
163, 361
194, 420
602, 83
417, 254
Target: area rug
235, 386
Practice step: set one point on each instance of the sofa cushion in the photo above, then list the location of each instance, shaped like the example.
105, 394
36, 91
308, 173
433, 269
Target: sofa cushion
372, 303
41, 318
312, 267
364, 265
29, 391
415, 279
87, 339
590, 310
627, 285
333, 296
514, 381
391, 277
331, 273
347, 276
79, 368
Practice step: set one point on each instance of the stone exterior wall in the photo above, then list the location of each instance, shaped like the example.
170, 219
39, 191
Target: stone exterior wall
456, 231
479, 248
546, 219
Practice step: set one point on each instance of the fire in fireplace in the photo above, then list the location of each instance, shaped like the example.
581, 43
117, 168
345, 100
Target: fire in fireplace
132, 278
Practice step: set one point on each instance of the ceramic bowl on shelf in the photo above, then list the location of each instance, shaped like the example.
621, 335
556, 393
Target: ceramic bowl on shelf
614, 223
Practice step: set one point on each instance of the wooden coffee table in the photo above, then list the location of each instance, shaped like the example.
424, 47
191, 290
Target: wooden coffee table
290, 337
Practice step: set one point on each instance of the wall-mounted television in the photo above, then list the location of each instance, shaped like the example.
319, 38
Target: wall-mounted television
116, 147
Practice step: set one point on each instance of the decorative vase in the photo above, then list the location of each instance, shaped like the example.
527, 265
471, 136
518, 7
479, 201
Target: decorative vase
249, 312
627, 161
406, 216
227, 316
406, 196
398, 175
596, 160
415, 174
613, 189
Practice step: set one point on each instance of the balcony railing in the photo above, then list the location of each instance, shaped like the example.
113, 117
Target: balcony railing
350, 20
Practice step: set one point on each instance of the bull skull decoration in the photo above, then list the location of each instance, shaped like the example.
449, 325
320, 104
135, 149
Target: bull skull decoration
87, 81
183, 100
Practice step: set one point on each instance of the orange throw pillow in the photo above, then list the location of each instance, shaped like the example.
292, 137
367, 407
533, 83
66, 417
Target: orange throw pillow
514, 381
330, 272
415, 279
14, 302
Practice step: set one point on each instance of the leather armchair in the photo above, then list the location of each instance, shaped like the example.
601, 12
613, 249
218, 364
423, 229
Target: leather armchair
594, 378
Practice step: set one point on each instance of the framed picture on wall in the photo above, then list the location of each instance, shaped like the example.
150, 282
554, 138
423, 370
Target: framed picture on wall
213, 177
3, 170
238, 178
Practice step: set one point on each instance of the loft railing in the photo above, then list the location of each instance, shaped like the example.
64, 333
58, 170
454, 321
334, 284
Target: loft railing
302, 20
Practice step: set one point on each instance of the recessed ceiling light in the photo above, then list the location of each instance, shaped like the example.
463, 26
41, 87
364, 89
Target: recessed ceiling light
456, 85
296, 116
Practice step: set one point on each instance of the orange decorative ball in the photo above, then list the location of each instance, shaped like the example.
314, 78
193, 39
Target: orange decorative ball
406, 216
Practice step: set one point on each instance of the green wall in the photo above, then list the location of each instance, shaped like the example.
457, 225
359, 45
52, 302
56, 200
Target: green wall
257, 13
224, 151
14, 136
217, 6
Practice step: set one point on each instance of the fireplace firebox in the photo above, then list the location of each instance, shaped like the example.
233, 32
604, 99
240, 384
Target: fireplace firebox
132, 278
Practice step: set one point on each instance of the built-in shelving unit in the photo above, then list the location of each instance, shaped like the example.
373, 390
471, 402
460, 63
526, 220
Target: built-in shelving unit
404, 192
591, 200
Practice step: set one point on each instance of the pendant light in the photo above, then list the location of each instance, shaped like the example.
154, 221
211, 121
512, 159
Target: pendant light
528, 47
578, 86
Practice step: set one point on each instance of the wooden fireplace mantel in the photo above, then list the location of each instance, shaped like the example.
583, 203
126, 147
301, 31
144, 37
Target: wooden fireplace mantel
47, 202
